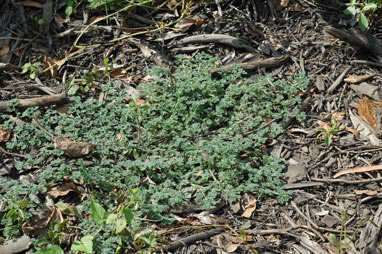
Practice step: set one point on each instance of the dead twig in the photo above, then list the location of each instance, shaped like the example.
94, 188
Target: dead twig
256, 64
40, 101
216, 38
193, 238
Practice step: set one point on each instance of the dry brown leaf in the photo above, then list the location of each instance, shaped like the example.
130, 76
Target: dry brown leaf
249, 208
186, 23
59, 19
353, 131
338, 116
74, 149
324, 125
50, 64
31, 4
366, 111
272, 239
367, 192
358, 170
61, 190
353, 79
95, 18
231, 247
235, 207
280, 4
3, 52
4, 135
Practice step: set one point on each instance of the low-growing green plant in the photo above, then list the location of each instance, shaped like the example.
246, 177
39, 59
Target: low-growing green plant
32, 69
329, 133
196, 139
364, 10
84, 84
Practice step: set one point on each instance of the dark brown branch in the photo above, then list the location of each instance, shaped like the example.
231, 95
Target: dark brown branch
194, 238
359, 39
256, 64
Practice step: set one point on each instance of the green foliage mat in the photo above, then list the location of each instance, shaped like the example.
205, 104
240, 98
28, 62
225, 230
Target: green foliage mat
196, 139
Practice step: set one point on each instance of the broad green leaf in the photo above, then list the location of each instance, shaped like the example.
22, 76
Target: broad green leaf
55, 249
111, 219
99, 214
120, 225
369, 6
352, 2
129, 216
363, 22
351, 10
84, 245
73, 89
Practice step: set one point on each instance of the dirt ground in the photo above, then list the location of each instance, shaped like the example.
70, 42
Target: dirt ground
297, 37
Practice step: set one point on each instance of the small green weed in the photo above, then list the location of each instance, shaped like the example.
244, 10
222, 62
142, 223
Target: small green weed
364, 10
328, 133
32, 69
196, 139
84, 84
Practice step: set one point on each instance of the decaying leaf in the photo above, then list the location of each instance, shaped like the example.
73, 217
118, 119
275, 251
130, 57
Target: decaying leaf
3, 52
74, 149
280, 4
188, 22
324, 125
61, 190
338, 116
353, 79
364, 129
250, 208
355, 132
371, 113
4, 135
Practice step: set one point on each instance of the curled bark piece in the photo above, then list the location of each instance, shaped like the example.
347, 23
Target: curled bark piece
359, 39
216, 38
15, 246
256, 64
40, 101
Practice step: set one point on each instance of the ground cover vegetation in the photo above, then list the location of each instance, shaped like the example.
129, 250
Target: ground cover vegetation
192, 138
195, 139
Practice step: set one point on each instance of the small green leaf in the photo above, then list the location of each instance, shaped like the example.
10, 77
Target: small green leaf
369, 6
363, 22
98, 214
111, 219
351, 10
73, 89
129, 216
120, 225
352, 2
55, 249
84, 245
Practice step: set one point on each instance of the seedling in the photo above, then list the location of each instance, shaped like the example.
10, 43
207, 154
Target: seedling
32, 69
329, 133
363, 9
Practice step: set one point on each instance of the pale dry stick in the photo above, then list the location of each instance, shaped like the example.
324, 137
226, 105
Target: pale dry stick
356, 182
339, 80
367, 62
342, 94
